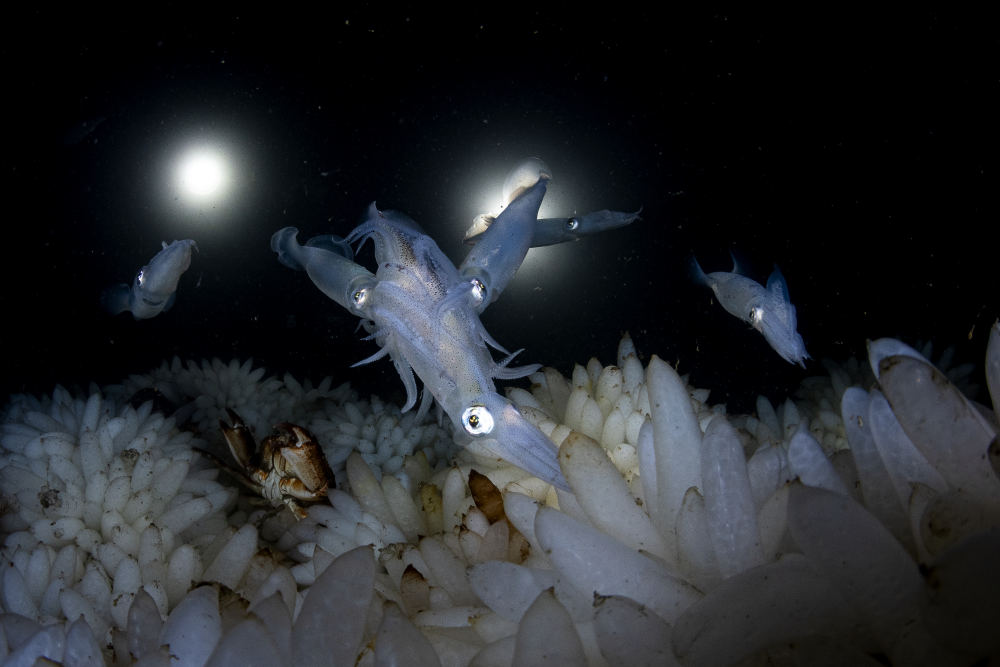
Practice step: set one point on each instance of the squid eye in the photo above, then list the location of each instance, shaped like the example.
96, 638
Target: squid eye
360, 297
477, 420
572, 224
478, 290
755, 315
138, 277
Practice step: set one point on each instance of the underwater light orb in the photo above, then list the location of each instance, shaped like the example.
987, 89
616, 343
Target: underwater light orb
202, 173
205, 174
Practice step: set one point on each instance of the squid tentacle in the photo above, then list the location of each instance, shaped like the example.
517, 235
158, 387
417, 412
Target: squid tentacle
424, 312
504, 372
375, 357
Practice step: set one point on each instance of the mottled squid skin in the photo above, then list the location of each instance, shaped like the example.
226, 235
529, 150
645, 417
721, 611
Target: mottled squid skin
425, 314
768, 310
154, 289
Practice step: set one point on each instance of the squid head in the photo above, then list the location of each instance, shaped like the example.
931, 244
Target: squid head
768, 310
329, 262
154, 289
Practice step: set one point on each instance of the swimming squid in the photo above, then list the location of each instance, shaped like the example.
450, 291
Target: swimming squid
548, 231
768, 310
424, 313
154, 289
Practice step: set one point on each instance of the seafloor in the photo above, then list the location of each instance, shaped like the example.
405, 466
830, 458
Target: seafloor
858, 524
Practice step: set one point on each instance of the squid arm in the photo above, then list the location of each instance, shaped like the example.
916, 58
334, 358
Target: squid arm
779, 323
496, 425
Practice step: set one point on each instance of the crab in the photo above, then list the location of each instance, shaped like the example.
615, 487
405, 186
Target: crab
289, 468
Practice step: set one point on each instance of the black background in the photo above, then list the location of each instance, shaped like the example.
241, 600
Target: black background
857, 150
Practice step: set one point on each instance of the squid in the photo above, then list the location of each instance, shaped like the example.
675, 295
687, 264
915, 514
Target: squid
154, 289
768, 310
548, 231
424, 313
551, 231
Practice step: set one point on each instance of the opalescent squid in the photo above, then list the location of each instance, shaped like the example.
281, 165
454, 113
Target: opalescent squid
546, 231
423, 312
768, 310
552, 231
155, 286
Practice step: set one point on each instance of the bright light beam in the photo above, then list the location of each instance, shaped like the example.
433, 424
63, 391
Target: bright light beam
202, 174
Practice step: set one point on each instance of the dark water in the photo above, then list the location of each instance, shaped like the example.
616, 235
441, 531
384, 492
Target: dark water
857, 151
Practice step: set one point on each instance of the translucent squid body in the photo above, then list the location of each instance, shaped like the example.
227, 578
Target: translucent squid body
548, 231
425, 313
154, 289
768, 310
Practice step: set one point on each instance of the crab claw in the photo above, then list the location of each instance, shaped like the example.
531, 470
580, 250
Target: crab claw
238, 437
295, 488
304, 456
